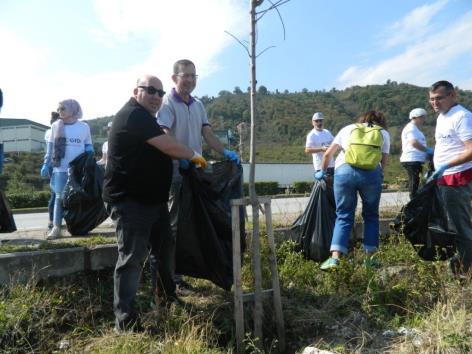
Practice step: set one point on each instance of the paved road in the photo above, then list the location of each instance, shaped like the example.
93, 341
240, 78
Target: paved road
281, 207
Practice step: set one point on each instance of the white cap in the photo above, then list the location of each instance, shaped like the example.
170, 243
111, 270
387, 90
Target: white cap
417, 112
317, 116
109, 125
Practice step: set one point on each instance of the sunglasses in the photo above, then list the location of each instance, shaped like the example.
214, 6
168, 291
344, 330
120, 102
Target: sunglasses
151, 90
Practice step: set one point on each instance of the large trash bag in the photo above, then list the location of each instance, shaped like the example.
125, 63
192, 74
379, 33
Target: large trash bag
423, 221
7, 223
83, 205
204, 233
313, 230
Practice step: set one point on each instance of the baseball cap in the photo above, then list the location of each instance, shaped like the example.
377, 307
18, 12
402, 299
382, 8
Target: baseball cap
109, 125
417, 112
317, 116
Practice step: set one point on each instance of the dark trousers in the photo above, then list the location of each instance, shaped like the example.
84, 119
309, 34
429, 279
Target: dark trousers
139, 226
457, 201
414, 171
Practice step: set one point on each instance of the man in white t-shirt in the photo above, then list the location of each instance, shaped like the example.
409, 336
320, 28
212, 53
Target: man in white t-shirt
317, 141
453, 163
414, 149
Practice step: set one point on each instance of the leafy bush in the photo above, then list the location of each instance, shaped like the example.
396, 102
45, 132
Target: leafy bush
263, 188
302, 186
28, 200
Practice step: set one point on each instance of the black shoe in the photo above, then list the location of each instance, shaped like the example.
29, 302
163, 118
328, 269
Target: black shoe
174, 300
182, 288
129, 325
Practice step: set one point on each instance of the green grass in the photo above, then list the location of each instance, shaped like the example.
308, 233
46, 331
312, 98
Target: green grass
345, 311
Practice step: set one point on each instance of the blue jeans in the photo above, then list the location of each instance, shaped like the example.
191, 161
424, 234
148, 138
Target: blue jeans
348, 181
57, 183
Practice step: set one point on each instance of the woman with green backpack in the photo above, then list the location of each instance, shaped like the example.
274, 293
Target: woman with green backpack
364, 148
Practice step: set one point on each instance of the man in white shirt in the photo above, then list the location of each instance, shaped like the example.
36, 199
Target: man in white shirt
317, 141
414, 149
453, 163
184, 117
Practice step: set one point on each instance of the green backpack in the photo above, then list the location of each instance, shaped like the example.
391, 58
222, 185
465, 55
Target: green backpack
365, 147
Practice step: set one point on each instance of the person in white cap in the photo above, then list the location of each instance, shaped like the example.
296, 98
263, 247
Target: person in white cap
317, 141
414, 149
103, 160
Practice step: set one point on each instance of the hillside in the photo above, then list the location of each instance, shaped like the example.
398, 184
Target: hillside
283, 119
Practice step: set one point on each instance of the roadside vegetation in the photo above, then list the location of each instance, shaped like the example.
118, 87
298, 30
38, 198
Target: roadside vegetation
406, 306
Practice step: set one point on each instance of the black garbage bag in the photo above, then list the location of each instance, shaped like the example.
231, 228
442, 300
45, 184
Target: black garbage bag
204, 236
423, 221
313, 230
83, 205
7, 223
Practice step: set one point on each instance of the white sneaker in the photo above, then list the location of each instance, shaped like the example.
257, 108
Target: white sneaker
54, 233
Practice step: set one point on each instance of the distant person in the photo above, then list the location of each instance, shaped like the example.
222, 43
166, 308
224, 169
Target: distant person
365, 144
414, 149
318, 141
47, 136
183, 117
69, 138
104, 159
453, 163
136, 189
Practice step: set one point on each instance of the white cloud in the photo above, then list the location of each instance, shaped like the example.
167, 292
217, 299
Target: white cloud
168, 30
421, 63
413, 26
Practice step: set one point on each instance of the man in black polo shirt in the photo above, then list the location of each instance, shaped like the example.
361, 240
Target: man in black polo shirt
136, 190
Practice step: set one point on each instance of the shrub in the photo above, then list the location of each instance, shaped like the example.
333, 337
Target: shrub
28, 200
263, 188
302, 186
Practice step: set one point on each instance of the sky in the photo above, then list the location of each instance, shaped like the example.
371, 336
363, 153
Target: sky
94, 50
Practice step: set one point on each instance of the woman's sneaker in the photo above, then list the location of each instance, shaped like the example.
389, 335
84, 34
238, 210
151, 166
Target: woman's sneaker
330, 264
54, 233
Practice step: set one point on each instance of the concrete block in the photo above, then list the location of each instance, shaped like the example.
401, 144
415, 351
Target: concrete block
101, 257
22, 266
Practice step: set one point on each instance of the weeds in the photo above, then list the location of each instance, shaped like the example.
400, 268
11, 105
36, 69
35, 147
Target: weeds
345, 311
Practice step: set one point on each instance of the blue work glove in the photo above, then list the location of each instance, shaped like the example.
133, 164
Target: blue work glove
184, 164
231, 155
45, 171
319, 175
429, 151
439, 172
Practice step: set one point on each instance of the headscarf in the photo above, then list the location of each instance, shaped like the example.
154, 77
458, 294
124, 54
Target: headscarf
59, 150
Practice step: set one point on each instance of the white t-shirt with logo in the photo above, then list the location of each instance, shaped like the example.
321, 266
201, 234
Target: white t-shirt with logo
452, 129
316, 139
77, 135
343, 137
409, 152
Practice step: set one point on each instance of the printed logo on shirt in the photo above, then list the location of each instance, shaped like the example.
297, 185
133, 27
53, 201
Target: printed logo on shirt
75, 140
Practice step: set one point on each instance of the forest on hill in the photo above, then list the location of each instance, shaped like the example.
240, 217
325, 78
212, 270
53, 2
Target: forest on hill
284, 118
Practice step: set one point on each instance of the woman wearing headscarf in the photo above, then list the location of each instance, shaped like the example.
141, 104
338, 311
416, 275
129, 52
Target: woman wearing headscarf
350, 180
69, 138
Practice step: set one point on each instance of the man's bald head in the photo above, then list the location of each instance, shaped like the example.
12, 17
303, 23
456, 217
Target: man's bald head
148, 92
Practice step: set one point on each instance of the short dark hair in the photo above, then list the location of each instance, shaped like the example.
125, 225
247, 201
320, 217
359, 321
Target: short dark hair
54, 117
373, 117
182, 62
442, 83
